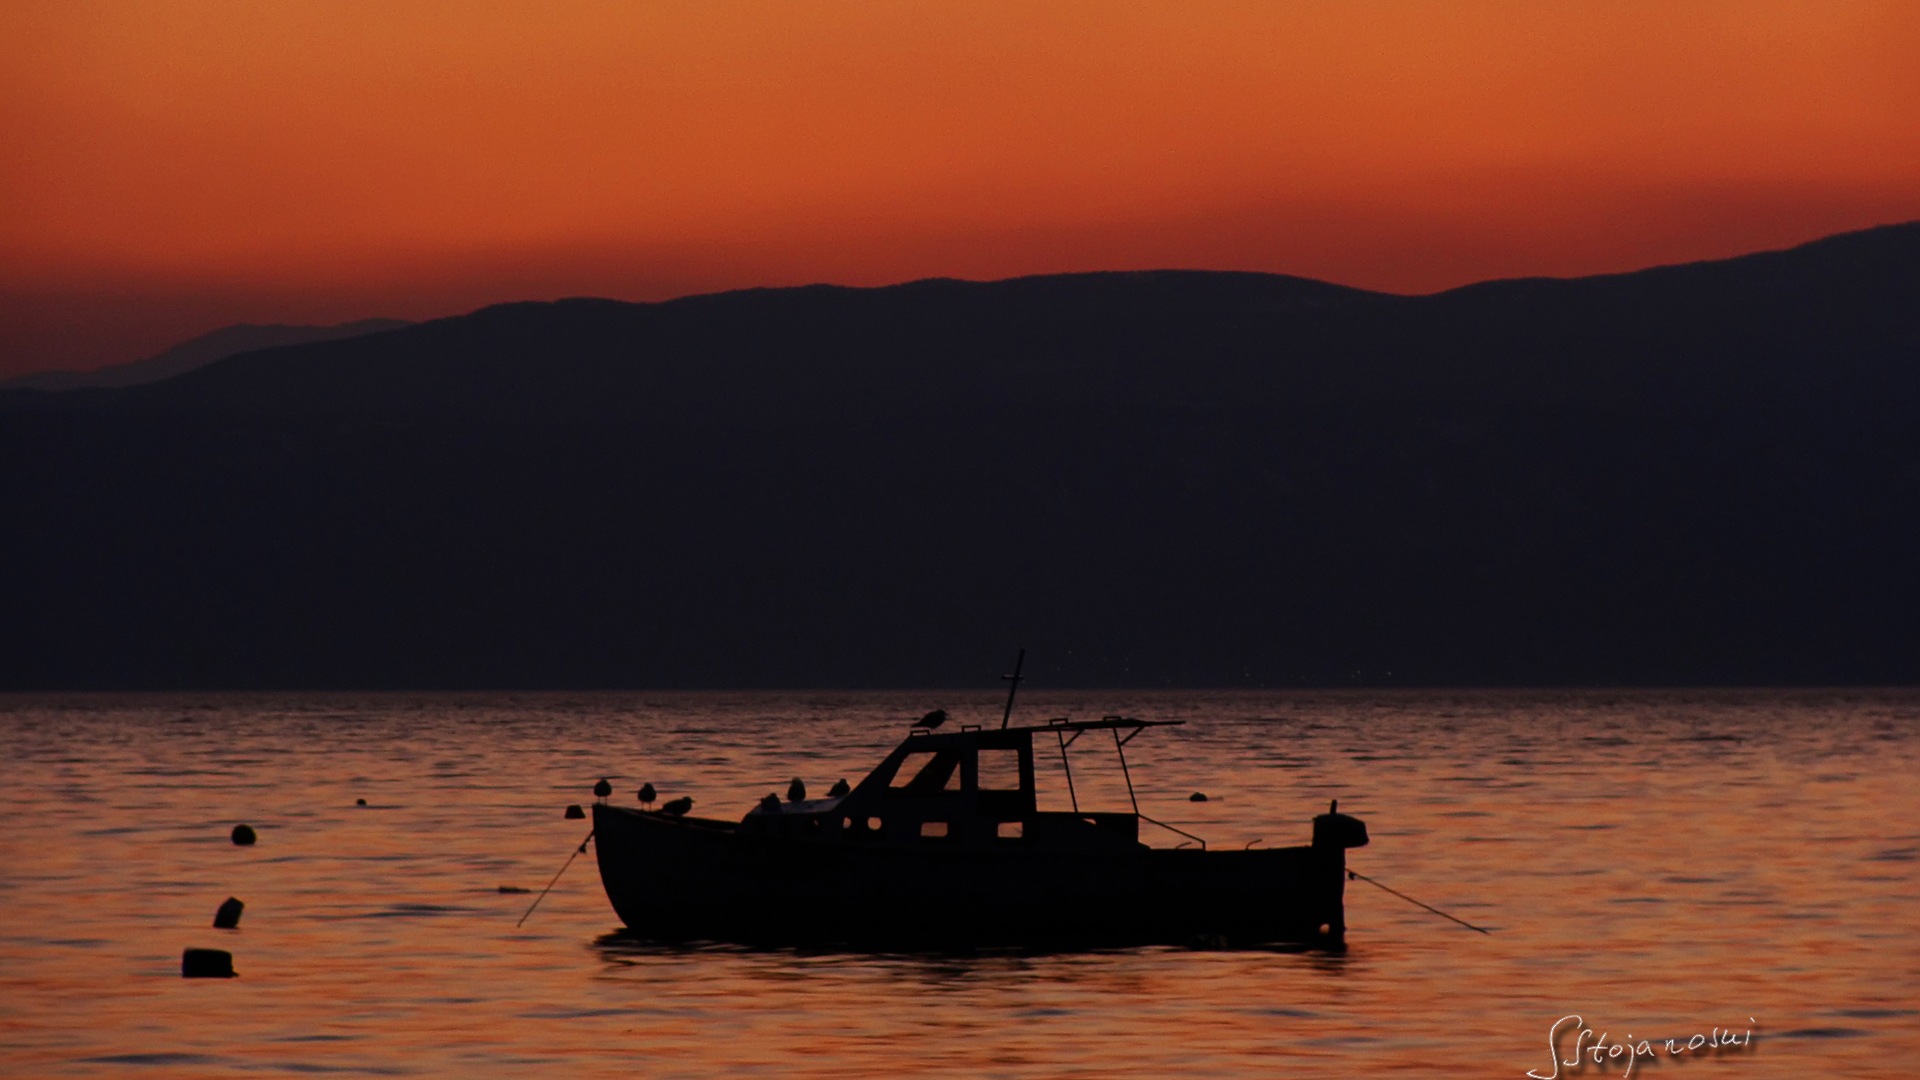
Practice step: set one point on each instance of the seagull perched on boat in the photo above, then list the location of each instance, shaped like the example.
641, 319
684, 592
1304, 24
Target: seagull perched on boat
602, 789
932, 720
839, 789
678, 806
770, 804
797, 791
646, 795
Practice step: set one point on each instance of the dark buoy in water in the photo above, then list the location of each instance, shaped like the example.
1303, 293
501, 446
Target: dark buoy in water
839, 788
1198, 796
243, 835
574, 813
679, 806
647, 795
359, 802
228, 916
206, 964
602, 789
797, 791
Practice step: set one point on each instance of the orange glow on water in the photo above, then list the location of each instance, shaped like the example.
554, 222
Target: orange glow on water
322, 161
1661, 863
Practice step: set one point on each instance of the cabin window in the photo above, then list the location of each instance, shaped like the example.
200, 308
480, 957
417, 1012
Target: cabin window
927, 772
1010, 830
999, 769
933, 830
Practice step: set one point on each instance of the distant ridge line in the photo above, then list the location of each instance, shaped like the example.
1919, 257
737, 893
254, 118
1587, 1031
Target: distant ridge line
198, 352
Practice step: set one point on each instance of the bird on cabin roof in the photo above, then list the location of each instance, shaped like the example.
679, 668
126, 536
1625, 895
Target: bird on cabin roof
839, 789
770, 804
797, 791
678, 806
646, 794
602, 789
932, 720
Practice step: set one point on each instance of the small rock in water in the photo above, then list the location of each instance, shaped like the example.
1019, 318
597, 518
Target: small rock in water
206, 964
1198, 796
228, 916
359, 802
243, 835
574, 813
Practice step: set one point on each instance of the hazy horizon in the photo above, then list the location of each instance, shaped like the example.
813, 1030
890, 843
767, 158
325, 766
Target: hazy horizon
181, 169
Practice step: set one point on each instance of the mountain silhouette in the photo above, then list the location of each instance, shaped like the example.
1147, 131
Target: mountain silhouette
1699, 474
198, 352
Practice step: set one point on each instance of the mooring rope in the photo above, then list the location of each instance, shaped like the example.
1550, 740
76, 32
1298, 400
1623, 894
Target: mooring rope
577, 852
1357, 874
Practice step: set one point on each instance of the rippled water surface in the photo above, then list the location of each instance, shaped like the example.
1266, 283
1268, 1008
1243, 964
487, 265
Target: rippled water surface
1662, 864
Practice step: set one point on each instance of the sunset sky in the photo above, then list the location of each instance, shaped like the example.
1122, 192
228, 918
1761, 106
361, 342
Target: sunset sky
172, 167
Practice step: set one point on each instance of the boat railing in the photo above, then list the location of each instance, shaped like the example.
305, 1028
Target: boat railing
1172, 828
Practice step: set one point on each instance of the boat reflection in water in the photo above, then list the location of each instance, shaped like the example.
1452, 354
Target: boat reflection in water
942, 845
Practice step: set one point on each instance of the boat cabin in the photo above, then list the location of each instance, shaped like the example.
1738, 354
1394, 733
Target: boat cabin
971, 788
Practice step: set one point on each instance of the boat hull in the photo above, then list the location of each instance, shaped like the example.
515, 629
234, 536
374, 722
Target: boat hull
685, 879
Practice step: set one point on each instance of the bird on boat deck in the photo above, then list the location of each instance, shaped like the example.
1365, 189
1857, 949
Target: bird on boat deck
678, 806
797, 791
602, 789
770, 804
646, 794
839, 789
932, 720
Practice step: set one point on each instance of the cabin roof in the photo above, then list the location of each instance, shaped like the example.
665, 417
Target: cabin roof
1120, 723
984, 736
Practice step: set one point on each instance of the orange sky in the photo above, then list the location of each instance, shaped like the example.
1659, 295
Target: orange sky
172, 166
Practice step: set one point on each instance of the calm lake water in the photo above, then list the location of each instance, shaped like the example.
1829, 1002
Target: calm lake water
1660, 863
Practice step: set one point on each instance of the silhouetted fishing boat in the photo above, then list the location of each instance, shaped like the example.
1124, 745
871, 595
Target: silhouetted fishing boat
943, 844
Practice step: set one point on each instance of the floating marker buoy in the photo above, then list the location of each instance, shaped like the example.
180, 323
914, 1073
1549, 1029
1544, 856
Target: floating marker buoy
359, 802
243, 835
1198, 796
206, 964
574, 813
228, 916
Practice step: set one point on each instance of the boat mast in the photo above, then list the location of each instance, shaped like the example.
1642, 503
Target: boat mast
1014, 687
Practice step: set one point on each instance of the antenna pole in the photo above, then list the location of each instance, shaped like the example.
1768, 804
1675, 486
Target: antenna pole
1120, 747
1014, 687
